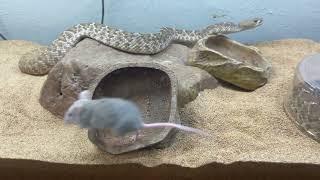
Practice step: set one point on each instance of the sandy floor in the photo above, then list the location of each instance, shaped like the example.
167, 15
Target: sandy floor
248, 126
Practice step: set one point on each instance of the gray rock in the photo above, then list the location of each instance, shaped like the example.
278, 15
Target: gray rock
230, 61
159, 84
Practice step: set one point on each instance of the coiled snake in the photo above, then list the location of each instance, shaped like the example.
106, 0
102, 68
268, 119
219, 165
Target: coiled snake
138, 43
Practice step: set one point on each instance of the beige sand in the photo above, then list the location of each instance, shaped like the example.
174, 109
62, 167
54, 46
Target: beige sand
248, 126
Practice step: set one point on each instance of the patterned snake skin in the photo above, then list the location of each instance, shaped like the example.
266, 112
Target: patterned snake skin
40, 61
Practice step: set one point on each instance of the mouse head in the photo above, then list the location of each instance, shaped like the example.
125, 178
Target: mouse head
72, 116
73, 113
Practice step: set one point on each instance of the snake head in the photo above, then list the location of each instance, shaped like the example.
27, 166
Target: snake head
230, 27
251, 23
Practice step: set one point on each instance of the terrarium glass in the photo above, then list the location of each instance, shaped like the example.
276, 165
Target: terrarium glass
303, 101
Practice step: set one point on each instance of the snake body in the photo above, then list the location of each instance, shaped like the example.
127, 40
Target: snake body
40, 61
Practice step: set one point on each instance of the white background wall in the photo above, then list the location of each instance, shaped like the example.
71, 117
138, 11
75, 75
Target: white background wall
43, 20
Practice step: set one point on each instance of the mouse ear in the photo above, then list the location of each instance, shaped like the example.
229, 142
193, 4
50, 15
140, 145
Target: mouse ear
85, 95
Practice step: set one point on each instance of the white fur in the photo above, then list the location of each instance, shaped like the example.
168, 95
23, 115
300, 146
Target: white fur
73, 113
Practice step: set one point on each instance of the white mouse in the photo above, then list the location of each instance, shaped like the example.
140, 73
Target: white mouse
118, 115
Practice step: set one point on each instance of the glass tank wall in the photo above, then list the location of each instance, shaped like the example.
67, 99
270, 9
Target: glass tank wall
42, 21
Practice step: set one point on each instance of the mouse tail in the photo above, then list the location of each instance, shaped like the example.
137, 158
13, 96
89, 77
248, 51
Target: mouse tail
178, 126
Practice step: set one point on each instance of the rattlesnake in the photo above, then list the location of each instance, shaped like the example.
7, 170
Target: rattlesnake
40, 61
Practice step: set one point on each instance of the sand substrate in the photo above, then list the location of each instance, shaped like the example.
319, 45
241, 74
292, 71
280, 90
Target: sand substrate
247, 126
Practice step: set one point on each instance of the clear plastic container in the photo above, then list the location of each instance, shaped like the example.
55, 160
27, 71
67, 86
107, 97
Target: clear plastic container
302, 103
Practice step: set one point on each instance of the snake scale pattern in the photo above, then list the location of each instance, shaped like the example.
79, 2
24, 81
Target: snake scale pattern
41, 61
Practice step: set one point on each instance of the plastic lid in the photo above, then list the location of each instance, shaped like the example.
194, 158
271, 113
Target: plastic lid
303, 101
309, 70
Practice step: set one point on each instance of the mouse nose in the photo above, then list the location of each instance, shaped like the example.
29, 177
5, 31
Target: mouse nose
67, 117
